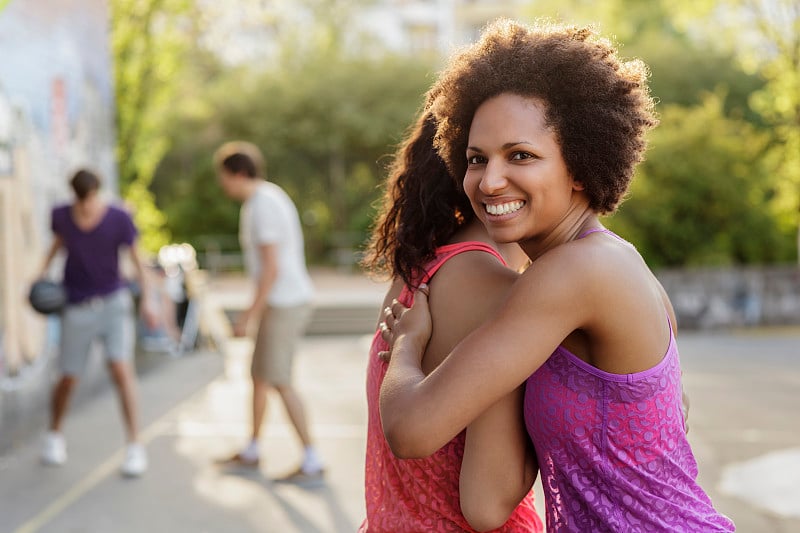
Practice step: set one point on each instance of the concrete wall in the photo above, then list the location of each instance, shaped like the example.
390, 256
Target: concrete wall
730, 297
56, 114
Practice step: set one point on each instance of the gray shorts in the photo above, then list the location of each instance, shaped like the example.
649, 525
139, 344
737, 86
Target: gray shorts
276, 341
109, 319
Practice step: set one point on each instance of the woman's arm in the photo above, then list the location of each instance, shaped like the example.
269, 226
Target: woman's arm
499, 465
496, 472
420, 414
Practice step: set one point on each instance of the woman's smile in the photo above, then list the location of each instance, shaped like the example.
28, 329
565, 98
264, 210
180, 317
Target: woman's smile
504, 208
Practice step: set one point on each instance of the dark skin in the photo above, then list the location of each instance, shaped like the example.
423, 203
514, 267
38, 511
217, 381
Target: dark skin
498, 466
516, 164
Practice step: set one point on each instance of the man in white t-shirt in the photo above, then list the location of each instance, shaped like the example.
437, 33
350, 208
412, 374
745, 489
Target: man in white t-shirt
272, 242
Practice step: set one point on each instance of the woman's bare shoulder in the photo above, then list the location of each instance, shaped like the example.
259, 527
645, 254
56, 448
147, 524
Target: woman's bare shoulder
586, 261
464, 293
473, 272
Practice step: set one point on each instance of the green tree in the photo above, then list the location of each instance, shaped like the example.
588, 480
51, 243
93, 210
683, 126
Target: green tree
324, 112
765, 38
149, 40
705, 195
683, 68
325, 122
678, 213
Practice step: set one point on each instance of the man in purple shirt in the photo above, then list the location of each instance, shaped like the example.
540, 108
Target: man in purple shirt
99, 307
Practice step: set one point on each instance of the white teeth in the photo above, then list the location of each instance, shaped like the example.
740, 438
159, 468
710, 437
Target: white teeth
504, 209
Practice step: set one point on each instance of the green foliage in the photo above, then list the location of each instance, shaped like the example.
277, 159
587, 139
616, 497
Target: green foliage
149, 220
324, 123
720, 184
148, 43
682, 69
682, 73
706, 193
739, 162
765, 39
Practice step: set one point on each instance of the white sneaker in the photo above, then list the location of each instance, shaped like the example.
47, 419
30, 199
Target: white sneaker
54, 449
135, 463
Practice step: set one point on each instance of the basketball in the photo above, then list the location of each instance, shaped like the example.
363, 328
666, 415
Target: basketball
47, 297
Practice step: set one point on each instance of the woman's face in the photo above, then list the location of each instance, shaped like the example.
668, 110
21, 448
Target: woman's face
516, 178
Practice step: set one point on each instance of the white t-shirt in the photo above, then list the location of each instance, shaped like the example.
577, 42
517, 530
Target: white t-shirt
270, 217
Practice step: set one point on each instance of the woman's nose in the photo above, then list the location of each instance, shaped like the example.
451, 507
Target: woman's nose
493, 179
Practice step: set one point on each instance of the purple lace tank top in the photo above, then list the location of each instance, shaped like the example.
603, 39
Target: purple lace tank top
612, 448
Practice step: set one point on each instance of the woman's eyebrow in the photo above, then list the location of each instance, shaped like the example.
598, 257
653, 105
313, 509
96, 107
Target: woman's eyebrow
506, 146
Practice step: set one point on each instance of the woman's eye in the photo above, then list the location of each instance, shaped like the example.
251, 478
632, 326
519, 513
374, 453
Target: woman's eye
475, 160
518, 156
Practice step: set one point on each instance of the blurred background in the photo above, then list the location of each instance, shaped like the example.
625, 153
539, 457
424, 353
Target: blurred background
145, 90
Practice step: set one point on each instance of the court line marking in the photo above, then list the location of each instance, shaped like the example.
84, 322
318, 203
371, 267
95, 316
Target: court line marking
102, 472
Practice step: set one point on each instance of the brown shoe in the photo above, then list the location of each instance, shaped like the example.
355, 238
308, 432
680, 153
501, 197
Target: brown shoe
238, 461
302, 478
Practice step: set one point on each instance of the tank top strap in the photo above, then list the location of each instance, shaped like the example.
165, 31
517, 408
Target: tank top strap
597, 230
444, 254
447, 252
603, 230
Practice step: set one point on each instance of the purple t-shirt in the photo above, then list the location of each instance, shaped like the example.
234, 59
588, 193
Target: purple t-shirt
92, 267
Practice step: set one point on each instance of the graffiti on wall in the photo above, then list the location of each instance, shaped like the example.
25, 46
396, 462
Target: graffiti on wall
56, 114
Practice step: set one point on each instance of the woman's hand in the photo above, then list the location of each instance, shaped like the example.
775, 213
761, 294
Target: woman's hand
416, 323
408, 331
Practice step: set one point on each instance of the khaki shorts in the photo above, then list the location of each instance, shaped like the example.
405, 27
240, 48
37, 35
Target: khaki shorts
109, 319
279, 331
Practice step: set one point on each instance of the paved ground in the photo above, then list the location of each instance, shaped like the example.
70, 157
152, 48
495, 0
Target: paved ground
743, 386
744, 423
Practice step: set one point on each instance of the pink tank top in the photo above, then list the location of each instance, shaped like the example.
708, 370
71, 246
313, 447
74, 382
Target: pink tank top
612, 448
420, 495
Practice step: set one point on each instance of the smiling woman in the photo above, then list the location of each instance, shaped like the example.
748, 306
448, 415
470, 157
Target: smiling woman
552, 124
510, 142
482, 477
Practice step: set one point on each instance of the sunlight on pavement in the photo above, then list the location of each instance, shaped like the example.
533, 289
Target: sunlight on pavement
771, 481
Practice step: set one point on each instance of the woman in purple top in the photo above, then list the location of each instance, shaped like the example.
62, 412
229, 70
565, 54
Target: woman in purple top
99, 307
546, 125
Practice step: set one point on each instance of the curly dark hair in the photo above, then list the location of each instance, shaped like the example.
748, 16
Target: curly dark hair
598, 105
422, 207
